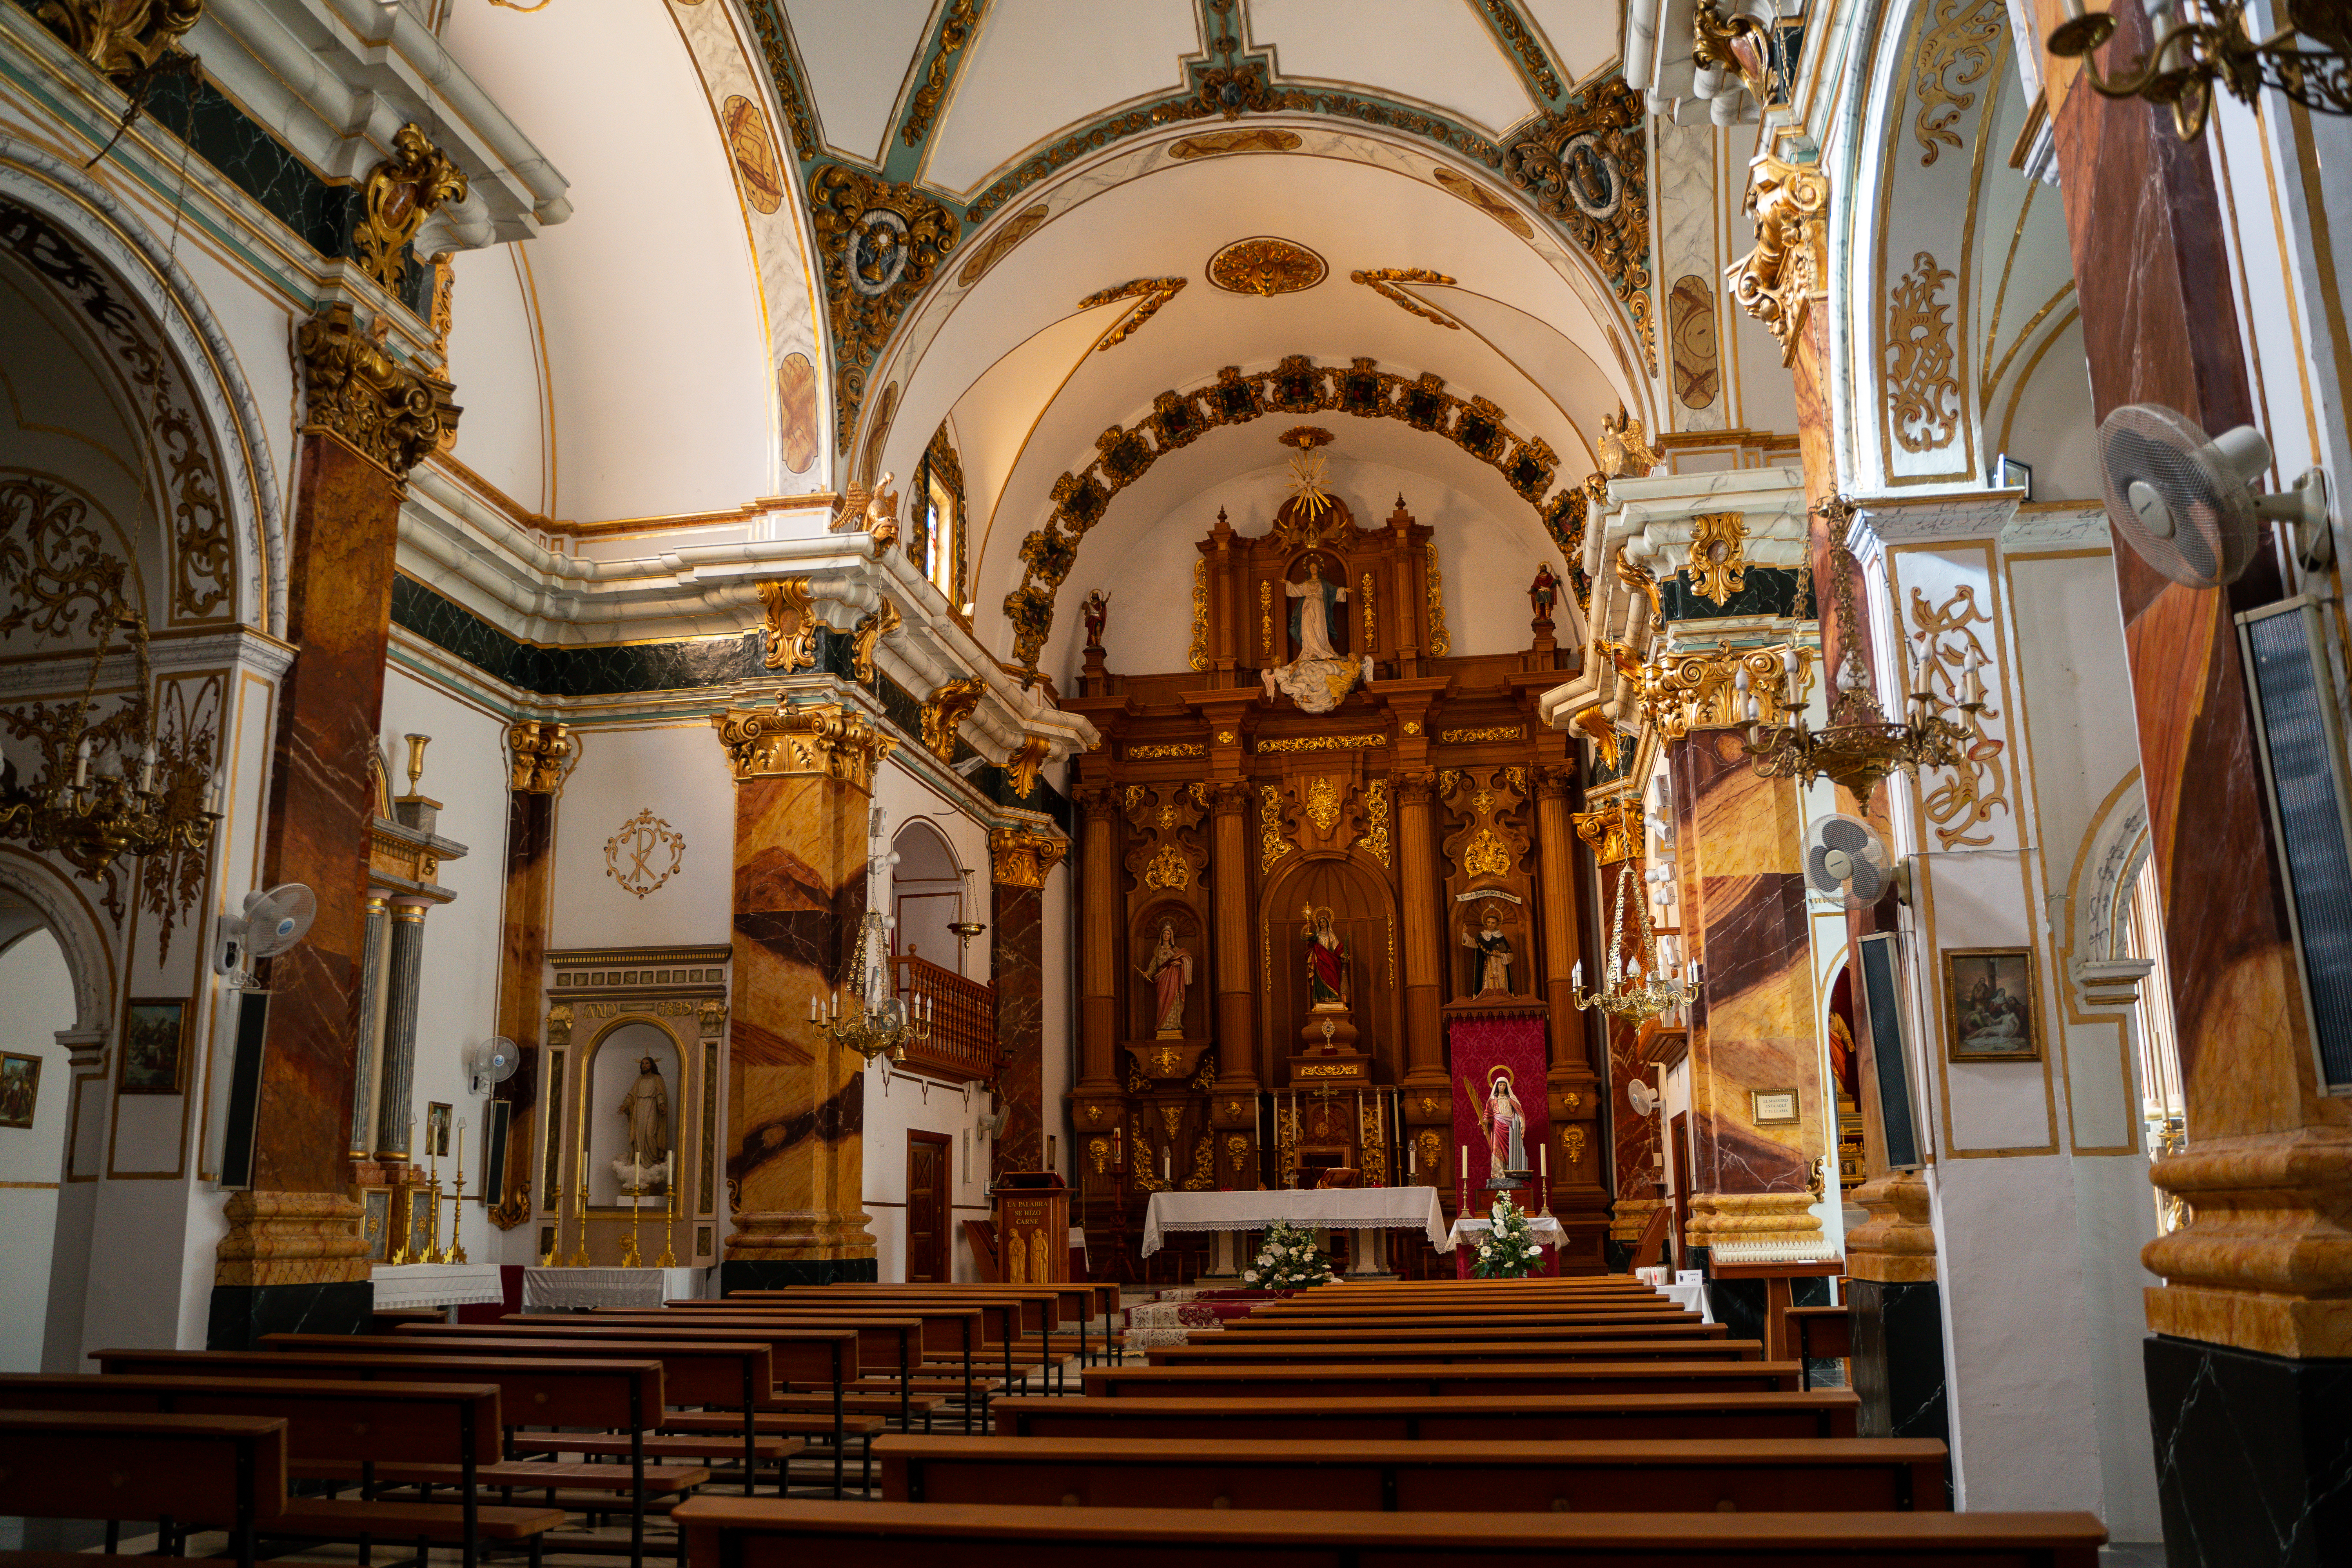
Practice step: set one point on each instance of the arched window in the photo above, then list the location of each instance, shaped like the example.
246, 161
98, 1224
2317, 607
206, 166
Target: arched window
926, 896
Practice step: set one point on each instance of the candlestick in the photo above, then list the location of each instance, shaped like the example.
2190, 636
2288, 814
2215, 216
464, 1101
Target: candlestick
669, 1258
547, 1258
580, 1208
457, 1219
1466, 1167
461, 1151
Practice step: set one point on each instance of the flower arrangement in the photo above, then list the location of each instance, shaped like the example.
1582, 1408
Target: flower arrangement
1509, 1250
1287, 1261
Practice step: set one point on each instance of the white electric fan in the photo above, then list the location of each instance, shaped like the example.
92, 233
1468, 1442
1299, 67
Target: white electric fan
272, 919
1847, 862
491, 1063
2181, 499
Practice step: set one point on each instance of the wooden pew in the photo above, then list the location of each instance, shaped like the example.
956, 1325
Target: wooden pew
1818, 1333
1504, 1416
1041, 1306
444, 1423
1344, 1331
1208, 1352
1404, 1379
225, 1472
1807, 1475
614, 1396
950, 1333
729, 1533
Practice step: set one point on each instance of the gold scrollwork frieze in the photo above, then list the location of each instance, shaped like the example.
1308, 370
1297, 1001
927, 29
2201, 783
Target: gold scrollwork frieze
1318, 742
1156, 750
1489, 732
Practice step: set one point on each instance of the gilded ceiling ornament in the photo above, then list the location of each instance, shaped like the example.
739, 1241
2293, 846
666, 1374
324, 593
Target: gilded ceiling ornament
1717, 562
1149, 293
120, 36
1775, 282
954, 33
1505, 19
754, 153
1021, 766
1979, 785
400, 192
1022, 858
538, 751
58, 568
1923, 395
1217, 143
646, 853
783, 70
788, 638
868, 634
1956, 53
1383, 281
880, 243
358, 393
1469, 190
997, 246
950, 706
1265, 265
1587, 169
821, 739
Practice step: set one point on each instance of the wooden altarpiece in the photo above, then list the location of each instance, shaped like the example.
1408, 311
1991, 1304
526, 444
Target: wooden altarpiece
1222, 823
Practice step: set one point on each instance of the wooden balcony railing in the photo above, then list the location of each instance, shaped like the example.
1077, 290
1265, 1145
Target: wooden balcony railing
963, 1046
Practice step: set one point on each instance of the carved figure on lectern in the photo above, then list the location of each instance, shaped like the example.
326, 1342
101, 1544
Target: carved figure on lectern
1169, 968
1326, 960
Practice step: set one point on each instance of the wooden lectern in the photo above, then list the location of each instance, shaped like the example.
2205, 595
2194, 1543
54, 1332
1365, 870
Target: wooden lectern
1033, 1228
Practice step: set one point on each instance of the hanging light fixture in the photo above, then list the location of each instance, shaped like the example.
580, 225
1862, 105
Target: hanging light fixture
1620, 996
877, 1025
1861, 746
2189, 58
94, 821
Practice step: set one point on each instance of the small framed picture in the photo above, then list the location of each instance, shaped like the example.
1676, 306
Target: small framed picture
1772, 1107
1988, 1004
20, 1088
375, 1221
155, 1048
437, 1130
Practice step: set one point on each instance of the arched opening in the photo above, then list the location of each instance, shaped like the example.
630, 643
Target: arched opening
36, 1086
926, 896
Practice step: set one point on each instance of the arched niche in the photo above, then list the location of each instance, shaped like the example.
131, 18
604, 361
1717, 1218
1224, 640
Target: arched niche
1365, 916
1143, 990
607, 1069
927, 895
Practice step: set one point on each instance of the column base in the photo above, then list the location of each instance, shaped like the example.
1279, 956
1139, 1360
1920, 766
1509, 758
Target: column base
2254, 1455
242, 1314
1898, 1359
800, 1235
778, 1273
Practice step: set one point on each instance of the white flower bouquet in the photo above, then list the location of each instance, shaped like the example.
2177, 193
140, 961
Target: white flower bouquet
1509, 1250
1287, 1261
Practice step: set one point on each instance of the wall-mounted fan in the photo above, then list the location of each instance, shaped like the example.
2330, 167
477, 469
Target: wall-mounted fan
491, 1063
1642, 1098
1847, 862
2180, 499
273, 919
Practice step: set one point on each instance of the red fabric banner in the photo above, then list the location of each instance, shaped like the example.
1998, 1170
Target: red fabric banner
1479, 1051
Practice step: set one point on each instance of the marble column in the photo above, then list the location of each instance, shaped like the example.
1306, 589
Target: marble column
293, 1251
1022, 859
537, 754
1579, 1190
795, 1100
396, 1105
364, 1062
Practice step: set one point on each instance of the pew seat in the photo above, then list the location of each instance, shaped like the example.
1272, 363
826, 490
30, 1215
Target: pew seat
1823, 1412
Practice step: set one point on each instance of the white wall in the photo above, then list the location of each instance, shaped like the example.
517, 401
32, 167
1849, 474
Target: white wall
678, 770
39, 996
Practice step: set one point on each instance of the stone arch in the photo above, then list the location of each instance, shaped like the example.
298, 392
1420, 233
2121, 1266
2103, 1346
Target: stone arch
65, 912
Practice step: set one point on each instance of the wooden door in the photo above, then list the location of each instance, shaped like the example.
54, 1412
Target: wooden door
1678, 1133
930, 1185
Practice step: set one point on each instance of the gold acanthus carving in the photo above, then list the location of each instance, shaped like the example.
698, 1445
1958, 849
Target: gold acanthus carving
1376, 820
1322, 805
787, 636
869, 633
1923, 395
1956, 53
1485, 855
356, 392
1717, 562
1021, 766
1776, 281
1472, 737
1172, 749
954, 33
1614, 832
1532, 58
1265, 265
538, 751
950, 706
821, 739
1384, 281
120, 36
1273, 839
1197, 656
1150, 294
1318, 742
1699, 689
1167, 868
1023, 858
402, 192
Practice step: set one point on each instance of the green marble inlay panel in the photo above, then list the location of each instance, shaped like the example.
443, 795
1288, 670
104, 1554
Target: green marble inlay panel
1767, 590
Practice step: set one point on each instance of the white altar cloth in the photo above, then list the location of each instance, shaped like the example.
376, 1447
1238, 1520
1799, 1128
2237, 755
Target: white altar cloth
584, 1289
1542, 1226
1316, 1208
411, 1286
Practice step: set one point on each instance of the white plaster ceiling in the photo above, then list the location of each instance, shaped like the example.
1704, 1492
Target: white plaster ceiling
1582, 34
1436, 52
859, 54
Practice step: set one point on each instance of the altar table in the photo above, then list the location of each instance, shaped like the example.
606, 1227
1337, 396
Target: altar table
1316, 1208
410, 1286
585, 1289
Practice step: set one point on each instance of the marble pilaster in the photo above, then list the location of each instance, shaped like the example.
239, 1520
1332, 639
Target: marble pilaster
395, 1110
369, 1038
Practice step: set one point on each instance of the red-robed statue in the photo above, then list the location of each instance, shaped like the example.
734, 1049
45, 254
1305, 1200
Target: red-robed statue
1326, 960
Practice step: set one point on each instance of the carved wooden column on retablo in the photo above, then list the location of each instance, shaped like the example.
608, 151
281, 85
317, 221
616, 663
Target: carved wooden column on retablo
538, 751
1021, 858
1579, 1190
1233, 1109
293, 1251
795, 1102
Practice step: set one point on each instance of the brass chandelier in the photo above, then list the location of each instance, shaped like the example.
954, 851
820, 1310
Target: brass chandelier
2190, 56
1632, 989
93, 822
1861, 746
874, 1027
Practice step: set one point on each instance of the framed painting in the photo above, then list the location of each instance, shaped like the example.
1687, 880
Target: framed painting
20, 1088
155, 1048
1990, 1012
437, 1130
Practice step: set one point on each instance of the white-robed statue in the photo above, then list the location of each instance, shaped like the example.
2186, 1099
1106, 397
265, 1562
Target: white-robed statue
1319, 674
646, 1109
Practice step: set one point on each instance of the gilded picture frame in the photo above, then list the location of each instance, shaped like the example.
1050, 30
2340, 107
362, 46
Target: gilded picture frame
154, 1047
1992, 1005
20, 1088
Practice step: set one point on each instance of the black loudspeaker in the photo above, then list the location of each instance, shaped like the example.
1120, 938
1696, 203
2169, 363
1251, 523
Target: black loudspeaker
244, 1089
495, 1120
1882, 996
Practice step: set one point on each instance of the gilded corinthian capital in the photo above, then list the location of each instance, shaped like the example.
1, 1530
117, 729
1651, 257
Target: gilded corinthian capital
821, 739
1776, 281
356, 392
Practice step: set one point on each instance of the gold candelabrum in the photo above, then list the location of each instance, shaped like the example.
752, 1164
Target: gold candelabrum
456, 1251
95, 822
579, 1259
2189, 58
1636, 988
669, 1259
877, 1026
1860, 746
553, 1257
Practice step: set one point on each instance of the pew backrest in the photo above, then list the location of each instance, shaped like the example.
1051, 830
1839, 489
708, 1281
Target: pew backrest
223, 1470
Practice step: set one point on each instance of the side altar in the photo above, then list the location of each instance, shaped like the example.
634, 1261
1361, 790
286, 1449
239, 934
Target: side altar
1306, 864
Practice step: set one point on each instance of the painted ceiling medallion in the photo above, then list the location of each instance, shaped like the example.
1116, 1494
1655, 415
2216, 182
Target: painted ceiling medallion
878, 251
1265, 265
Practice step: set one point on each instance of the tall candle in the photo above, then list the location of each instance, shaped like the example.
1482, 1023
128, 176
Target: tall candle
1466, 1166
1543, 1164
